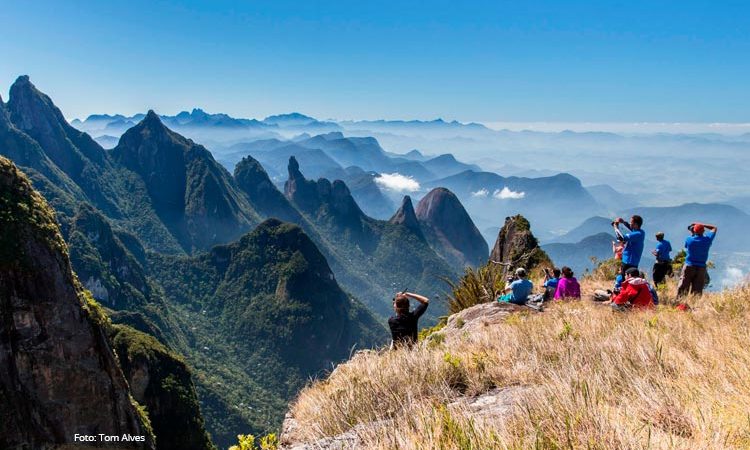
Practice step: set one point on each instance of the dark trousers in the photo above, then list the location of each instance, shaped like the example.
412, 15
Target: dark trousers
693, 279
660, 271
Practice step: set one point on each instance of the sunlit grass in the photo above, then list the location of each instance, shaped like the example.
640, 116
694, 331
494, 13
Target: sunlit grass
588, 378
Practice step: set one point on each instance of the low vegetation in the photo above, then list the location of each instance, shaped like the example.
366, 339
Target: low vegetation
577, 375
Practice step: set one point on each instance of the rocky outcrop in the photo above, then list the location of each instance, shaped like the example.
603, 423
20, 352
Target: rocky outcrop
161, 381
310, 195
517, 247
330, 204
58, 374
253, 180
191, 193
104, 264
407, 217
450, 230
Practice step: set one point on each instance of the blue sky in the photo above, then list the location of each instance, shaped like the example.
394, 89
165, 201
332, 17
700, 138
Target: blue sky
654, 61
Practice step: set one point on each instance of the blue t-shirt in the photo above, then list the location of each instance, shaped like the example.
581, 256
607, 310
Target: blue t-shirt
631, 254
697, 249
521, 289
551, 283
663, 248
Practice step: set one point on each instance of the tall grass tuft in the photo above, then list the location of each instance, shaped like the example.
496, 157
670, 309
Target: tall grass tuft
476, 286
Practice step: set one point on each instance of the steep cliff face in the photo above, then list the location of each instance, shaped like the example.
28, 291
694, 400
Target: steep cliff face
58, 374
322, 198
272, 315
74, 152
516, 247
450, 230
407, 217
190, 192
386, 254
253, 180
103, 264
160, 380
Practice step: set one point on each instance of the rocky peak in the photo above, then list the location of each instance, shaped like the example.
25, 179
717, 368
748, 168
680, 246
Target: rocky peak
32, 110
299, 190
253, 180
407, 217
194, 195
34, 113
311, 195
55, 358
450, 230
4, 118
516, 247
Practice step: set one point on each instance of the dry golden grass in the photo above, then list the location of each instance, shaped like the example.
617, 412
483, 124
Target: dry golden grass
587, 377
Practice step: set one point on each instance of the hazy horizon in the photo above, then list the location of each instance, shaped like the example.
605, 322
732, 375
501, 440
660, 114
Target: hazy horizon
544, 61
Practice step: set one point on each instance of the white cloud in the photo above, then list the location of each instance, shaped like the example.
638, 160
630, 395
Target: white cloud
397, 182
506, 193
481, 193
733, 276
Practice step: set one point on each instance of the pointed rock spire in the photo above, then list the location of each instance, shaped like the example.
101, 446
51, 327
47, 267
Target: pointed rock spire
407, 217
517, 247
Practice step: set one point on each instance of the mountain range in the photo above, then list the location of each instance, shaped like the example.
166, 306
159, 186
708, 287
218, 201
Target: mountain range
200, 276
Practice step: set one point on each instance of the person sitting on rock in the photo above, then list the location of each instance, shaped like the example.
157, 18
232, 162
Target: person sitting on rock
518, 291
551, 279
635, 292
404, 324
568, 286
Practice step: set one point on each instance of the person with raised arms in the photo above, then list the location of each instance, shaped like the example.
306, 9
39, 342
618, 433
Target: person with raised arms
405, 323
694, 275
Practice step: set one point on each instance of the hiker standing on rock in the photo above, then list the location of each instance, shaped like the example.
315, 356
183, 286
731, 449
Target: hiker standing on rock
404, 323
693, 277
631, 254
663, 265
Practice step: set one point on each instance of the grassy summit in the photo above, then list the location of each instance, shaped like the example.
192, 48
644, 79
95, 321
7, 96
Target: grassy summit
577, 375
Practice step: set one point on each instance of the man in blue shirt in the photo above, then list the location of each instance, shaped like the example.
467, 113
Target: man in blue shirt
518, 291
631, 254
693, 278
663, 264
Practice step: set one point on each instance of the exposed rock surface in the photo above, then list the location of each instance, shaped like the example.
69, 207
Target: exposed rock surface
471, 320
58, 374
310, 196
407, 217
517, 247
161, 381
450, 230
192, 194
253, 180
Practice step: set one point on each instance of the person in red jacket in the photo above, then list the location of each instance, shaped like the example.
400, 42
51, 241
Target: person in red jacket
634, 292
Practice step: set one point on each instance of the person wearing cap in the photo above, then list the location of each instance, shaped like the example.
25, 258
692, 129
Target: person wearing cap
693, 277
404, 323
518, 291
663, 264
634, 292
